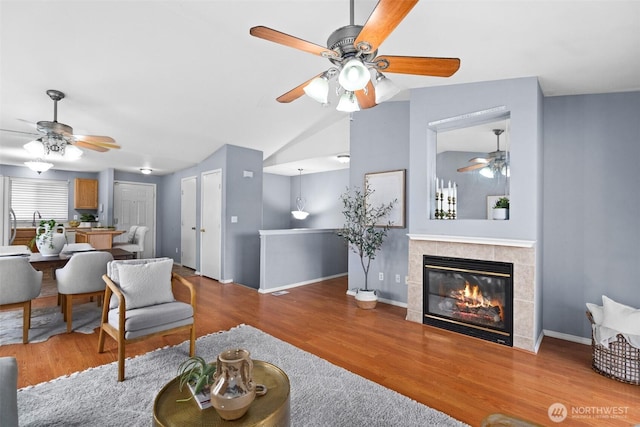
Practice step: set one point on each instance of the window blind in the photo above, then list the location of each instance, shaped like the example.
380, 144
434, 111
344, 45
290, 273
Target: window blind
49, 197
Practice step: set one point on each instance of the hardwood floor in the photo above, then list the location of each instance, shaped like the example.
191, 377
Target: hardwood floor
462, 376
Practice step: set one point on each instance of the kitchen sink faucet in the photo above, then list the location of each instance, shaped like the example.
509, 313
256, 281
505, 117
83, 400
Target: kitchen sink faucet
33, 223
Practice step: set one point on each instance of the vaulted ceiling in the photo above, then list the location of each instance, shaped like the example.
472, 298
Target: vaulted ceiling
173, 81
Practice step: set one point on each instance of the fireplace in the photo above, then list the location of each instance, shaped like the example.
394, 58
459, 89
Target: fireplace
472, 297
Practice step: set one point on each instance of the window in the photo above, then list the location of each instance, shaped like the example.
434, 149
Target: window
49, 197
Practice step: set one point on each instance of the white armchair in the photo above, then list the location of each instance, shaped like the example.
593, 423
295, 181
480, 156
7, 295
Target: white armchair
8, 392
135, 241
81, 277
19, 284
139, 304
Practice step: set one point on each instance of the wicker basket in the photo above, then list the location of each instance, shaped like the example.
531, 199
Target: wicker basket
620, 360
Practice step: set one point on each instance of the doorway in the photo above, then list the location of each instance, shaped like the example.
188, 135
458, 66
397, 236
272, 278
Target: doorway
211, 224
188, 222
135, 204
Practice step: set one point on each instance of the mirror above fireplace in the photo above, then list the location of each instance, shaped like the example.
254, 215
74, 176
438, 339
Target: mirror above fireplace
473, 152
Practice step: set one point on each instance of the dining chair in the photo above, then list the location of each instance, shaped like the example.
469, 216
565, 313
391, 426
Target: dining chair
19, 284
81, 277
139, 304
135, 240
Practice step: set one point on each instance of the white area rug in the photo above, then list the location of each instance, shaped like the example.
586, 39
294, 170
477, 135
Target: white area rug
322, 394
48, 321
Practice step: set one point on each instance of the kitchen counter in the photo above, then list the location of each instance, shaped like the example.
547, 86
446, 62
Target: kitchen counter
99, 238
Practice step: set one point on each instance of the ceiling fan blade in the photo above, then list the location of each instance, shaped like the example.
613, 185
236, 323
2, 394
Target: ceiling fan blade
472, 167
479, 160
296, 92
366, 99
383, 20
21, 132
89, 146
419, 65
291, 41
95, 138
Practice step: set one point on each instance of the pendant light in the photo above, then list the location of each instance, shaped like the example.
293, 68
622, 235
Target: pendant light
300, 212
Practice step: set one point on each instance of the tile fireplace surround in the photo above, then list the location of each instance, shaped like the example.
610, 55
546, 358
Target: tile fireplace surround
521, 253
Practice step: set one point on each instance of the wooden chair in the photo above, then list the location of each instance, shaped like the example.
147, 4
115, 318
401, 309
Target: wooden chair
81, 277
19, 284
139, 304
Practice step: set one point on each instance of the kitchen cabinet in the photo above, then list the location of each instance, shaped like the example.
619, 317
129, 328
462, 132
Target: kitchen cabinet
86, 194
24, 237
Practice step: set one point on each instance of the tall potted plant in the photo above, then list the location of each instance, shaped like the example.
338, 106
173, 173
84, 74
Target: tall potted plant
363, 235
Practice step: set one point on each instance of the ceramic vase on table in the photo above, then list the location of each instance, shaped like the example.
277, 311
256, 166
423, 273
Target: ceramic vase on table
233, 389
50, 241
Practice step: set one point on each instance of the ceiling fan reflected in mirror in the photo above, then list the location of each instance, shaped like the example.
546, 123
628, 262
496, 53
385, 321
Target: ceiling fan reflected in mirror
352, 50
55, 138
496, 162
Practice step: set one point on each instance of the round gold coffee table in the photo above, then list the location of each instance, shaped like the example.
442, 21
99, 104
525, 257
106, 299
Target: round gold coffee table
270, 410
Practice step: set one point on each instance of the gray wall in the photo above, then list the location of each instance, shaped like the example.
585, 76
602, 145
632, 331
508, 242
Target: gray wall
276, 206
380, 142
592, 204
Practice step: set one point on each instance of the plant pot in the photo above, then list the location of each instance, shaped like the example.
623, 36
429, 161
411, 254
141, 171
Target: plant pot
500, 213
366, 299
233, 389
50, 242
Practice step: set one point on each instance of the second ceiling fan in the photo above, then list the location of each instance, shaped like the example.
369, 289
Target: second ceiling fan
352, 50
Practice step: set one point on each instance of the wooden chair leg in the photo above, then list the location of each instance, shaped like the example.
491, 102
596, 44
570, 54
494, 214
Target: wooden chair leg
121, 357
68, 308
192, 344
101, 340
26, 322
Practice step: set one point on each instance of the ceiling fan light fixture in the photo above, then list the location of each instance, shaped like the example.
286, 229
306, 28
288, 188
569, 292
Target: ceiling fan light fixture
348, 103
487, 172
354, 75
146, 171
34, 148
318, 89
39, 165
72, 152
385, 88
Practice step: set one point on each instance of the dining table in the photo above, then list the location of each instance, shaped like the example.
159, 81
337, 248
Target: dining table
42, 263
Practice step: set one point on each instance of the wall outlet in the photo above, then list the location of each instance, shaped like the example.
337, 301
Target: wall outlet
397, 278
176, 250
75, 217
234, 219
380, 276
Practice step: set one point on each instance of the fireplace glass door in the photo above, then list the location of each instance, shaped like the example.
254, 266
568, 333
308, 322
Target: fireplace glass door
473, 297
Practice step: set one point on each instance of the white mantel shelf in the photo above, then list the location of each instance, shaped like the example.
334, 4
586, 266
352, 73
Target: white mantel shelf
474, 240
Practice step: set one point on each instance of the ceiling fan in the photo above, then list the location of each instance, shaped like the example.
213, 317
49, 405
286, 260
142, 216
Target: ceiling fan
352, 50
56, 138
495, 162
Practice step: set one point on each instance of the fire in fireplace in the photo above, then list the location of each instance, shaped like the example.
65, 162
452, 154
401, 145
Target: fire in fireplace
473, 297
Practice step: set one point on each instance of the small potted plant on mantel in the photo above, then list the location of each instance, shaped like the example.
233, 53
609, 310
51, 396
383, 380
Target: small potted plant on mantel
363, 234
501, 208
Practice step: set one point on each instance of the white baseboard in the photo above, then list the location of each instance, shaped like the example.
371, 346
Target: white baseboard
352, 292
295, 285
566, 337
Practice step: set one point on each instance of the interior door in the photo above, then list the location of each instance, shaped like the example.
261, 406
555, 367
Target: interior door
135, 204
211, 224
188, 222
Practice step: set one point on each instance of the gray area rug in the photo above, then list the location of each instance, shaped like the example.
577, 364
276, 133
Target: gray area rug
48, 321
322, 394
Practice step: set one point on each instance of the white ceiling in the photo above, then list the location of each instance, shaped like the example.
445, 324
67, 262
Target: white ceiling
173, 81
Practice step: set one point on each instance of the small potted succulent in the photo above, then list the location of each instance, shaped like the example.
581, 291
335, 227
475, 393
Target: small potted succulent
501, 208
197, 374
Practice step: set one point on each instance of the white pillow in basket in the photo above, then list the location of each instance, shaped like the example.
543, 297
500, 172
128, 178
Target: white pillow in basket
620, 317
597, 311
146, 284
